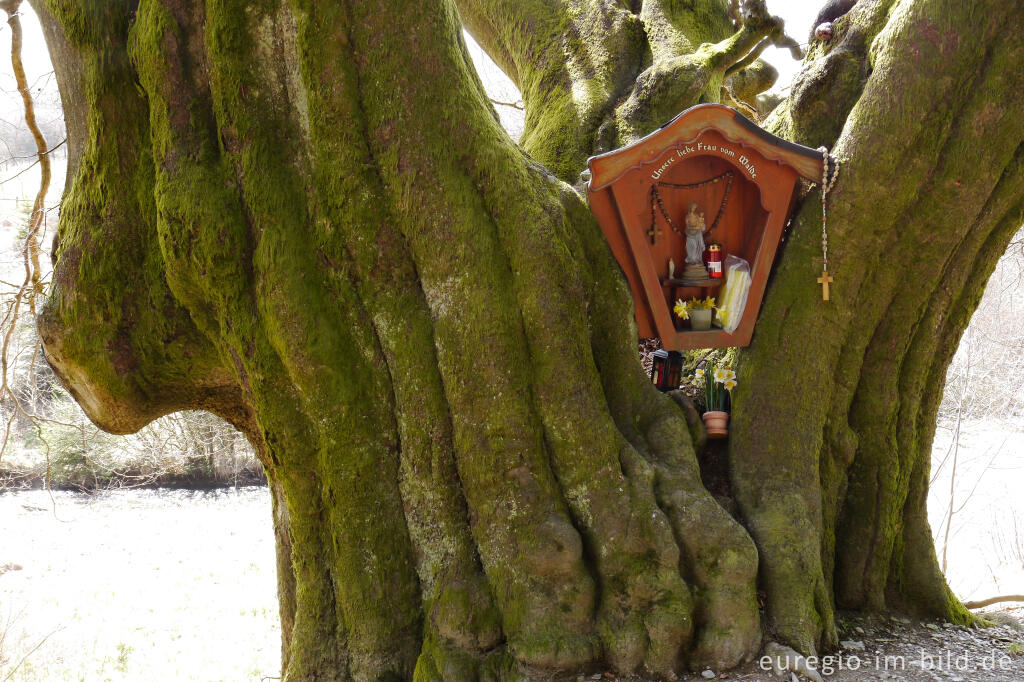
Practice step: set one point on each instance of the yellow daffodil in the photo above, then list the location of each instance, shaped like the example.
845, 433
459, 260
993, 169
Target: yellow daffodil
720, 375
681, 310
695, 304
730, 384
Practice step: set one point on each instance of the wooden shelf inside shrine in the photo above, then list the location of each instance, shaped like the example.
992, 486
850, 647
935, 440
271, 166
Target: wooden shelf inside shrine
706, 283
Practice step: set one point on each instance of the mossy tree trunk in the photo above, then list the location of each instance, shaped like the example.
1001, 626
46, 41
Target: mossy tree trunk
303, 217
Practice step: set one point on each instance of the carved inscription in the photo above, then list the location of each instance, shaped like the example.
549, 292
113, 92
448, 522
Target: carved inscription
699, 147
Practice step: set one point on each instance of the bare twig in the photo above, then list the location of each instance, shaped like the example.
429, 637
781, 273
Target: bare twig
31, 156
10, 673
515, 105
956, 456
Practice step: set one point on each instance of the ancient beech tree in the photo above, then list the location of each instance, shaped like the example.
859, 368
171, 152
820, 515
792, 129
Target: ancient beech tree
303, 217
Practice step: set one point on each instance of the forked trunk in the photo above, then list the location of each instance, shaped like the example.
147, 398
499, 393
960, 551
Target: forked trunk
305, 218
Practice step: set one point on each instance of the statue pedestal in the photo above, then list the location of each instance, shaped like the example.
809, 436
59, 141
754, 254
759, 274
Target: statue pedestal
695, 271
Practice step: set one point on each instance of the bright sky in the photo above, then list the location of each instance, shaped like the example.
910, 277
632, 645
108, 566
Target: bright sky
798, 15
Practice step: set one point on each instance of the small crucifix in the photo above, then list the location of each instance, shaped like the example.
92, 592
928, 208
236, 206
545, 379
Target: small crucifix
824, 282
654, 233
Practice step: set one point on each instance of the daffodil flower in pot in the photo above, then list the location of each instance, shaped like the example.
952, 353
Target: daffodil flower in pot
718, 385
697, 311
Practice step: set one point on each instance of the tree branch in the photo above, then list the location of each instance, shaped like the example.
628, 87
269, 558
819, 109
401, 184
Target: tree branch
515, 105
777, 38
679, 80
760, 29
32, 285
982, 603
571, 66
38, 209
488, 21
674, 29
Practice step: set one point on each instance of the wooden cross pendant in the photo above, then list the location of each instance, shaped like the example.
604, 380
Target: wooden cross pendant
654, 233
824, 282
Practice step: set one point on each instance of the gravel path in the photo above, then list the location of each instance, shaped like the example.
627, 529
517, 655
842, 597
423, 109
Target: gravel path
898, 650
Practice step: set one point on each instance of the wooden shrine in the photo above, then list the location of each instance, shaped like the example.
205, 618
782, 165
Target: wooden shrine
742, 179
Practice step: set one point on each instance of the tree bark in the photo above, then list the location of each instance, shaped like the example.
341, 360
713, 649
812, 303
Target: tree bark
304, 217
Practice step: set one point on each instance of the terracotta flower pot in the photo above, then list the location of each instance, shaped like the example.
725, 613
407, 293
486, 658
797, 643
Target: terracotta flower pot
716, 422
700, 319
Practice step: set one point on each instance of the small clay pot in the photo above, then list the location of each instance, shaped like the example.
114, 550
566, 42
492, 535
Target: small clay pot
716, 423
700, 319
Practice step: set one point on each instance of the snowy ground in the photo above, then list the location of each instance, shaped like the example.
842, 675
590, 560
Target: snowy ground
137, 585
